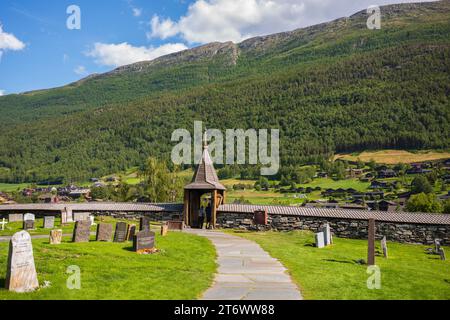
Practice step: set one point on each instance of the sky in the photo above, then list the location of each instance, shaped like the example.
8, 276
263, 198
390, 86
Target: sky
46, 43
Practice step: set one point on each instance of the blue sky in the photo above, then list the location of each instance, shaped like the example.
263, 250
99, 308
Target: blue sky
38, 51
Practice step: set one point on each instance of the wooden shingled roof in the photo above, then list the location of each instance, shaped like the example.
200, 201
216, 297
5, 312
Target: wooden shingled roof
205, 177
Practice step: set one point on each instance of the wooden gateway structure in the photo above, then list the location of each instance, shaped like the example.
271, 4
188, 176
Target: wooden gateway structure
205, 181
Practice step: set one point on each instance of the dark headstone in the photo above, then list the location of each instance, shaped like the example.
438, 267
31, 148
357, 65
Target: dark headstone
82, 231
104, 232
371, 244
131, 232
28, 224
21, 273
144, 223
260, 217
144, 240
49, 222
121, 232
384, 247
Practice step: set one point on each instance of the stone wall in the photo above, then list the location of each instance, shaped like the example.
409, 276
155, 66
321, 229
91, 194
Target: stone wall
344, 228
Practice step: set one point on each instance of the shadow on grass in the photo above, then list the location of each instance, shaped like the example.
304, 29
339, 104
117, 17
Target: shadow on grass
129, 249
340, 261
310, 245
2, 283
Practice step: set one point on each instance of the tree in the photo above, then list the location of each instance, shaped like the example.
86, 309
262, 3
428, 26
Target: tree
159, 184
446, 206
372, 165
420, 184
423, 202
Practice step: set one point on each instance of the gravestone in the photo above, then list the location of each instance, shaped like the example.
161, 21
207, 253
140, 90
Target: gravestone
384, 247
29, 216
371, 243
175, 225
15, 217
55, 236
21, 273
144, 241
92, 218
327, 234
104, 232
81, 216
49, 222
437, 246
144, 223
82, 231
320, 243
164, 230
131, 232
121, 232
28, 221
442, 254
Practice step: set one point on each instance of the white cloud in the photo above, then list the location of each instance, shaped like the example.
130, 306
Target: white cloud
80, 70
2, 92
9, 42
236, 20
137, 12
121, 54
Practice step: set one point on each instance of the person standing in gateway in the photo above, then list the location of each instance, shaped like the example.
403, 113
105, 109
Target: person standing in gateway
208, 216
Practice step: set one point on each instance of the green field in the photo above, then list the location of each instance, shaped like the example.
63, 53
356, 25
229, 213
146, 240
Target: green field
333, 272
183, 270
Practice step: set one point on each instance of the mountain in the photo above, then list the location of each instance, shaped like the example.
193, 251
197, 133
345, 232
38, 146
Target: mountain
332, 87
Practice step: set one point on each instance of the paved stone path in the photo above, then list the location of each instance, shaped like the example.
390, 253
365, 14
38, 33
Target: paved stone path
246, 271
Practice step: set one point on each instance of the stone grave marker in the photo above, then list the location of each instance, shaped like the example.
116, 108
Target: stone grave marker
131, 232
371, 243
164, 230
82, 231
327, 234
56, 236
144, 241
49, 222
21, 273
81, 216
384, 247
104, 232
15, 217
144, 223
320, 243
437, 246
3, 223
28, 221
121, 232
442, 254
92, 218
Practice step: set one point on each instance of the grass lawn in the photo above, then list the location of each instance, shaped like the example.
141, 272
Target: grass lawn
183, 269
333, 273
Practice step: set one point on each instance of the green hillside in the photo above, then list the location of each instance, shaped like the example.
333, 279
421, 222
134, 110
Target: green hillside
331, 88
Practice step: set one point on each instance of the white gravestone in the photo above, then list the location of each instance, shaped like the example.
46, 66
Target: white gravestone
384, 247
92, 218
21, 274
327, 235
29, 217
320, 243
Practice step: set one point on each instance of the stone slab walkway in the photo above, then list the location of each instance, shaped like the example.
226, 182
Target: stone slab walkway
246, 271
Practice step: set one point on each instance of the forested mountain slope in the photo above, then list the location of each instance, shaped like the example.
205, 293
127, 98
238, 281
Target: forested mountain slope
333, 87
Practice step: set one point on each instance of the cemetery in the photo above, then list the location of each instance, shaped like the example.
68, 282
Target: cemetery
170, 251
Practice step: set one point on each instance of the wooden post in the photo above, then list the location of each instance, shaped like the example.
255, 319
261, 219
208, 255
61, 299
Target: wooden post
186, 207
214, 208
371, 245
